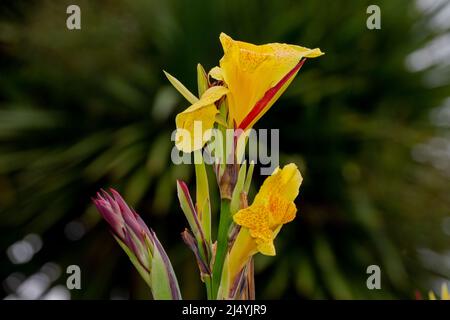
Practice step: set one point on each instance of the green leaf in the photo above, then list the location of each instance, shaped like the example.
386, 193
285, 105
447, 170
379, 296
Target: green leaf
181, 88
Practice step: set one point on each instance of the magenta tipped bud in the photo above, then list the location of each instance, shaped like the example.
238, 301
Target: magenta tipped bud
140, 243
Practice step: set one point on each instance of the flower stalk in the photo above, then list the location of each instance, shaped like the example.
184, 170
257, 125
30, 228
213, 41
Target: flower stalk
222, 243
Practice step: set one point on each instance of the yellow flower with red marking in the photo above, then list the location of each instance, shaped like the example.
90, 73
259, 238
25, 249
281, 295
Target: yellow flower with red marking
256, 76
252, 77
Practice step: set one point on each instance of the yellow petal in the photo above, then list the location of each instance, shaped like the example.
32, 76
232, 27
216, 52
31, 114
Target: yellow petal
251, 70
285, 182
267, 248
273, 206
194, 123
216, 73
243, 248
255, 218
282, 211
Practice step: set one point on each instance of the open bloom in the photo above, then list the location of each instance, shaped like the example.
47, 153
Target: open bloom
260, 223
256, 76
252, 77
140, 243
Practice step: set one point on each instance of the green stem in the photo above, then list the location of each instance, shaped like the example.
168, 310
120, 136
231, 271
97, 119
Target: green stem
208, 284
222, 245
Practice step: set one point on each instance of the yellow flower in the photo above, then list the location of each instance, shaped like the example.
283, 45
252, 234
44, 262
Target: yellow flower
253, 78
444, 293
256, 76
260, 223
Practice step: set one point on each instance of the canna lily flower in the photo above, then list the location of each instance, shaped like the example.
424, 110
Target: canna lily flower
140, 243
252, 77
257, 75
444, 293
260, 223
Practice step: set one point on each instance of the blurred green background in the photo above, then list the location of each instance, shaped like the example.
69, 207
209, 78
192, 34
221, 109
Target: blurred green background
368, 124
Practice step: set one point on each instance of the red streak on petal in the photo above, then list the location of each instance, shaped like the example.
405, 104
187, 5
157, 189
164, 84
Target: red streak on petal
262, 103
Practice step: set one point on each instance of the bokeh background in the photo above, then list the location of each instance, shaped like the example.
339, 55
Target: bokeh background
368, 124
